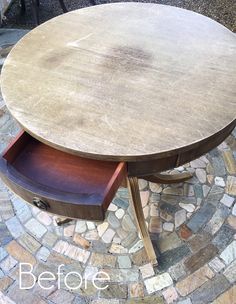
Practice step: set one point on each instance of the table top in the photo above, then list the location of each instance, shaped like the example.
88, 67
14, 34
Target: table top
123, 81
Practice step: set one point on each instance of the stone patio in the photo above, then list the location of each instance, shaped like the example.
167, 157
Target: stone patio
192, 226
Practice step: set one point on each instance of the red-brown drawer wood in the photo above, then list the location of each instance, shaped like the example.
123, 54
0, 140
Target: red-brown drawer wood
69, 185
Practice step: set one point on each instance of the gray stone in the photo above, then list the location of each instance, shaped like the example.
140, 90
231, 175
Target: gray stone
178, 270
219, 166
121, 203
180, 217
43, 254
127, 223
49, 239
35, 228
3, 253
227, 200
210, 290
158, 282
229, 254
23, 212
80, 226
215, 195
230, 272
201, 217
113, 220
15, 227
169, 242
6, 210
223, 237
198, 191
171, 257
216, 264
217, 220
124, 261
27, 241
129, 239
201, 175
5, 236
114, 291
186, 301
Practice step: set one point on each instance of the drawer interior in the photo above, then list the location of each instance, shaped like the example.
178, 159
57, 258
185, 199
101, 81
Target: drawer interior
58, 171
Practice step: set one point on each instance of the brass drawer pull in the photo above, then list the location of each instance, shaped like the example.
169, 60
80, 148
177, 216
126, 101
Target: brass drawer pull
40, 204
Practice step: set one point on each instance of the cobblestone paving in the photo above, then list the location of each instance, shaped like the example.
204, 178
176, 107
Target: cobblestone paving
192, 226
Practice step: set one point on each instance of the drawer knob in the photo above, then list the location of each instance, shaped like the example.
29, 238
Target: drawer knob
40, 204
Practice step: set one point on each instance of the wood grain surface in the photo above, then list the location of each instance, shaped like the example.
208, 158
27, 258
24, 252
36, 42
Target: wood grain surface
124, 81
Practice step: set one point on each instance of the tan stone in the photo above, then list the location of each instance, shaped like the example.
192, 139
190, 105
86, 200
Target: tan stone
144, 197
5, 282
79, 240
19, 253
228, 297
230, 163
231, 185
232, 221
194, 281
140, 257
136, 290
102, 260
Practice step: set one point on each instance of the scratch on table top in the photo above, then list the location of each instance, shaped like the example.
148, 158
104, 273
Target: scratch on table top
76, 42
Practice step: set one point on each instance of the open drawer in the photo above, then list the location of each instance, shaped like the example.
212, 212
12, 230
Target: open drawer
59, 182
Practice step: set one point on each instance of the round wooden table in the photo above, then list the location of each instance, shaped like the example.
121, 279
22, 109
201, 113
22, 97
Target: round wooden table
151, 85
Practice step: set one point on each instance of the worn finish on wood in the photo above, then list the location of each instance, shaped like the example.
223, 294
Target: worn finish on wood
59, 182
124, 81
139, 217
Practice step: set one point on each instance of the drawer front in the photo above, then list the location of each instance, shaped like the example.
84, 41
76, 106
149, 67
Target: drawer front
60, 183
62, 208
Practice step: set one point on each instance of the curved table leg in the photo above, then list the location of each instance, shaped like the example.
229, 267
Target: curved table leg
139, 217
168, 178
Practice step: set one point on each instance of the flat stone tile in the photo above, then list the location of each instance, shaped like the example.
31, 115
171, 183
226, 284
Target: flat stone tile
230, 272
5, 283
61, 296
119, 291
223, 237
199, 241
217, 220
136, 290
229, 253
197, 279
19, 253
227, 297
171, 257
215, 195
36, 228
201, 257
210, 290
169, 242
3, 253
147, 270
158, 282
201, 217
121, 275
15, 227
170, 295
219, 166
29, 243
124, 261
7, 264
216, 264
102, 260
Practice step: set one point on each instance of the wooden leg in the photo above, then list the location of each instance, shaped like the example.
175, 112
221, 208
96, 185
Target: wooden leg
168, 178
139, 216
